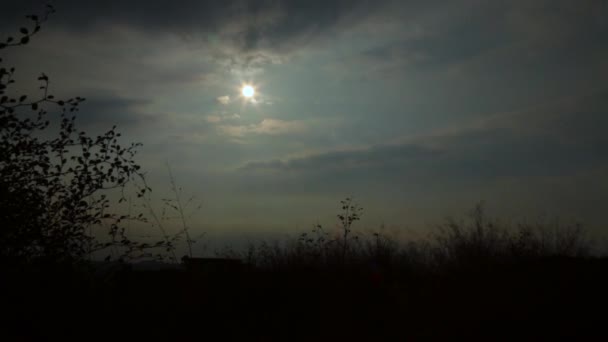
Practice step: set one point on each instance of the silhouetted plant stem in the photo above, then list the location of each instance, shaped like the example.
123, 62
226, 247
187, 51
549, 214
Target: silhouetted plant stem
351, 212
162, 229
180, 210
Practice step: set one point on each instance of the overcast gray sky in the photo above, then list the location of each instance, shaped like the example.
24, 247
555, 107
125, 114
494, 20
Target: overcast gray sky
419, 109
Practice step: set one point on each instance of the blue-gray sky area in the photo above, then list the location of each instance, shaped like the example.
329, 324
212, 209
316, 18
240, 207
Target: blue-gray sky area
418, 109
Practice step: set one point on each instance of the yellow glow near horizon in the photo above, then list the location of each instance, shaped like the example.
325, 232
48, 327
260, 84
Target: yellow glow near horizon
248, 91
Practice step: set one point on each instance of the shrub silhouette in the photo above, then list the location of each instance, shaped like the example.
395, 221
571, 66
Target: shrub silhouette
53, 189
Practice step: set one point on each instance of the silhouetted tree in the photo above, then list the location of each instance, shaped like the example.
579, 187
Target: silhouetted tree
53, 191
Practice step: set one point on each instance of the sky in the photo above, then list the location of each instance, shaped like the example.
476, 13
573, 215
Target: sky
417, 109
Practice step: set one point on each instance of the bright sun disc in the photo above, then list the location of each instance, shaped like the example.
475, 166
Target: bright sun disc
248, 91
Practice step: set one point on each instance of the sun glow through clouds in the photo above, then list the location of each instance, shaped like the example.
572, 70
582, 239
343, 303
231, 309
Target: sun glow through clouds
248, 91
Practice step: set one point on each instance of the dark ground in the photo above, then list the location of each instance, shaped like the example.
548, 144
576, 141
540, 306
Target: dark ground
537, 299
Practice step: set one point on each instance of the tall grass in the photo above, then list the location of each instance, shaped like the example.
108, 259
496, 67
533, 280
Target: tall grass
471, 242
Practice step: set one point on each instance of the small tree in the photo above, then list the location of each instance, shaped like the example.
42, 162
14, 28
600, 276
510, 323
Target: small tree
53, 190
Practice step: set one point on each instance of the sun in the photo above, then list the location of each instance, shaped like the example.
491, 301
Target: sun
248, 91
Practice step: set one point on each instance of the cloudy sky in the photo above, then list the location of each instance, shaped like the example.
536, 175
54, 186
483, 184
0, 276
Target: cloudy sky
418, 109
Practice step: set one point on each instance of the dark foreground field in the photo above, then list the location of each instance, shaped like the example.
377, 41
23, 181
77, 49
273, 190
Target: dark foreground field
528, 299
474, 279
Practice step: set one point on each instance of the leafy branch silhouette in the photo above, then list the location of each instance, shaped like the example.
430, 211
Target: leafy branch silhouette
54, 191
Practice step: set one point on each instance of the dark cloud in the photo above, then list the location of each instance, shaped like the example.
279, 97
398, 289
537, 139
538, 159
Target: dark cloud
106, 111
343, 160
451, 41
247, 24
515, 34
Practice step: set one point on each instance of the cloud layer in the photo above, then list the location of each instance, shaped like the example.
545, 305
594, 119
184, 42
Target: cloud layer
426, 104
